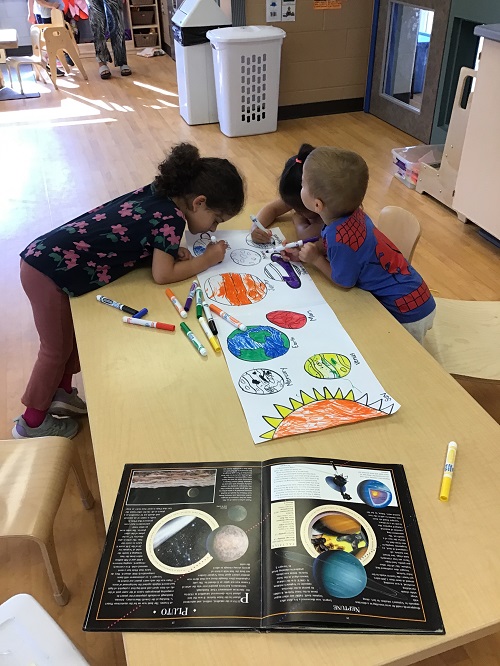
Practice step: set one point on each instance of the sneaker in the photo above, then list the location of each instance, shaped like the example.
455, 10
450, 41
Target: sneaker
50, 427
67, 404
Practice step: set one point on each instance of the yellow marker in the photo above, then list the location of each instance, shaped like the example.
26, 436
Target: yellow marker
211, 337
449, 466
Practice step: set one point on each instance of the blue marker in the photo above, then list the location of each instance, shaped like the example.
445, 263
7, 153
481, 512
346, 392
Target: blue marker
140, 314
119, 306
190, 297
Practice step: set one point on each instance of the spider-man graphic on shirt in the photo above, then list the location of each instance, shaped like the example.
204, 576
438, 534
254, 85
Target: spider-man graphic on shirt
360, 255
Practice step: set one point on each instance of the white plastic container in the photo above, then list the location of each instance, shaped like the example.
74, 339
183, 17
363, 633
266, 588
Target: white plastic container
193, 59
408, 161
247, 71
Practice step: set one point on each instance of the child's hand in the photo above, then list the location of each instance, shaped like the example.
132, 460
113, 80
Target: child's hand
259, 236
183, 254
215, 252
309, 253
292, 254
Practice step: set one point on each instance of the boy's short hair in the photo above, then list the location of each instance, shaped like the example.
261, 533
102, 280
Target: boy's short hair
338, 178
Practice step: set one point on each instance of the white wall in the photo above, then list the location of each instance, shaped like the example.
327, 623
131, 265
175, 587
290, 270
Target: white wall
14, 14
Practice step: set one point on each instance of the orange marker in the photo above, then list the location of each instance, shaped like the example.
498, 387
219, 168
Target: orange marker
227, 317
176, 303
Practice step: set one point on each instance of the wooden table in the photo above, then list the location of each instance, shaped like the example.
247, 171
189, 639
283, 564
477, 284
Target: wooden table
152, 398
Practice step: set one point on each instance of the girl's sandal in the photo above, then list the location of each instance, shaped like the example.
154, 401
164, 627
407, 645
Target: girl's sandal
125, 70
104, 72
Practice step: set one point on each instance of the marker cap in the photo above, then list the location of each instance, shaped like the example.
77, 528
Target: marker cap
140, 314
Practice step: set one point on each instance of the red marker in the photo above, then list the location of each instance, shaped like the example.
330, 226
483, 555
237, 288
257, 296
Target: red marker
149, 324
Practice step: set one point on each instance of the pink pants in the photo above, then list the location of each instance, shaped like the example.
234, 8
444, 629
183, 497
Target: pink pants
58, 354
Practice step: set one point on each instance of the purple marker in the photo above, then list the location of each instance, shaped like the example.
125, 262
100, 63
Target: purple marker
190, 297
299, 243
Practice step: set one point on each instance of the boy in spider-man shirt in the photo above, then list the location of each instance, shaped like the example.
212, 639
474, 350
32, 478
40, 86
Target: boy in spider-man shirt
334, 182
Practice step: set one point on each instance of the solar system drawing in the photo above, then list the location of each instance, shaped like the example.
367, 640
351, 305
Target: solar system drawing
295, 368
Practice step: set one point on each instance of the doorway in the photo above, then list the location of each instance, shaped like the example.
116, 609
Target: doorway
410, 38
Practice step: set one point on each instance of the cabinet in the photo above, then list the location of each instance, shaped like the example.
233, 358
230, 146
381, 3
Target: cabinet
144, 22
477, 191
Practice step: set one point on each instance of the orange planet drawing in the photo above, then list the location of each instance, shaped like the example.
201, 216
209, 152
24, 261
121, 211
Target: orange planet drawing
235, 289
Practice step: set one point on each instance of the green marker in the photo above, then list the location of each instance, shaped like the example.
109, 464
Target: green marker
192, 337
199, 303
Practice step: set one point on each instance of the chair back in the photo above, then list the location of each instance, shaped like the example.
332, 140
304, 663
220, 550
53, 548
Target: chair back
36, 41
465, 337
401, 227
56, 17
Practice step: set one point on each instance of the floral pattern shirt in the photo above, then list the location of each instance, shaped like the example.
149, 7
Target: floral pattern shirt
108, 242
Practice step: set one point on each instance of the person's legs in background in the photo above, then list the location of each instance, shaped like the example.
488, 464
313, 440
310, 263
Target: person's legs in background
114, 11
97, 18
49, 388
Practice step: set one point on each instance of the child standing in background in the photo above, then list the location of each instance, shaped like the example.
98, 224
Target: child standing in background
139, 228
307, 223
334, 183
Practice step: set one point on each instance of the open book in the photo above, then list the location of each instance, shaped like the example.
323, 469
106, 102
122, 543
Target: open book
298, 544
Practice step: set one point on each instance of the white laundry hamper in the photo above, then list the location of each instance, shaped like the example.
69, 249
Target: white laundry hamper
247, 72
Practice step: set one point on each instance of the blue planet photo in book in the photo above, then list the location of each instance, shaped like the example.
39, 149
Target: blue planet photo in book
339, 574
374, 493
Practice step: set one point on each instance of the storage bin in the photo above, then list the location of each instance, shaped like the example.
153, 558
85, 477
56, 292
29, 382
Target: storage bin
148, 39
247, 74
408, 161
142, 17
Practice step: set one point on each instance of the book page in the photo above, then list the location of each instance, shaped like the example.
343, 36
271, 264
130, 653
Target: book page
182, 550
342, 548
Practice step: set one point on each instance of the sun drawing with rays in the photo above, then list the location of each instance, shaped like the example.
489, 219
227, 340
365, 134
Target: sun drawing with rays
322, 411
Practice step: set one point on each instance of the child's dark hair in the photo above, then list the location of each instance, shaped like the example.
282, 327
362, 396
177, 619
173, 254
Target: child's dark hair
291, 179
185, 174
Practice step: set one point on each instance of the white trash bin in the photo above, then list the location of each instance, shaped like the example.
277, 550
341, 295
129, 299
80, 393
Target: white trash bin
247, 72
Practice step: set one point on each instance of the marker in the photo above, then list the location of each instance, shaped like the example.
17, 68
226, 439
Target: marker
176, 303
190, 297
199, 302
449, 467
210, 319
299, 243
227, 317
260, 225
149, 324
120, 306
210, 336
193, 339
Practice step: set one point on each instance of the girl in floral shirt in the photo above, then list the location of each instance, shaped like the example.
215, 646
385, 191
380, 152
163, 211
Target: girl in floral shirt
139, 228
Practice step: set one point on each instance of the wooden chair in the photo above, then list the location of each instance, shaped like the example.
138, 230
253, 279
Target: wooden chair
401, 227
465, 340
35, 61
56, 38
33, 475
58, 41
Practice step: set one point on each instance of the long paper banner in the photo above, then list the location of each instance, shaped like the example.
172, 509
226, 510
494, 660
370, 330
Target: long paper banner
294, 368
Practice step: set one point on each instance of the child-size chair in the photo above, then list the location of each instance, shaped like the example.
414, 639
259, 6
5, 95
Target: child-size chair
464, 339
35, 61
401, 227
33, 475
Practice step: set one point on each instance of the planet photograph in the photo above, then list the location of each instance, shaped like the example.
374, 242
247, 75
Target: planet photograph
172, 486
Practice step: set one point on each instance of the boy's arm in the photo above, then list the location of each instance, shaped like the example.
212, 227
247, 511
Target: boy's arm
166, 269
311, 253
